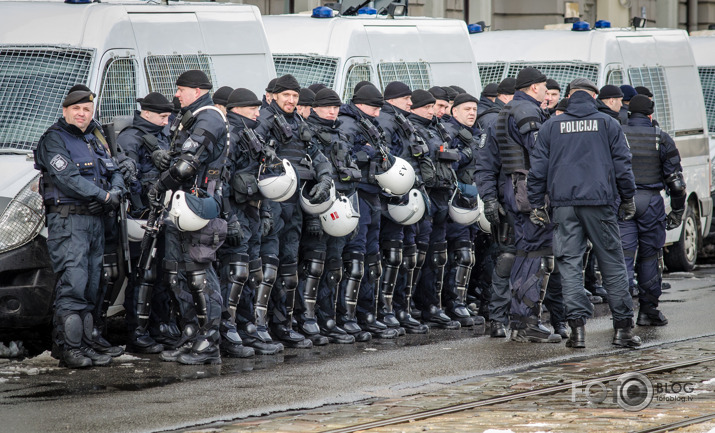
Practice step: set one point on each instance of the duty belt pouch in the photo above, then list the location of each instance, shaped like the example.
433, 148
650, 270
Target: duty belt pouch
204, 243
428, 172
244, 185
520, 194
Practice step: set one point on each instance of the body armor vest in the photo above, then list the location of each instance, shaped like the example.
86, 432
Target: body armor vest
92, 160
513, 155
645, 148
334, 146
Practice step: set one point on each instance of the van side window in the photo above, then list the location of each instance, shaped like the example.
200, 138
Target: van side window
356, 73
615, 77
707, 80
119, 89
307, 69
562, 72
414, 74
162, 71
491, 72
653, 77
34, 81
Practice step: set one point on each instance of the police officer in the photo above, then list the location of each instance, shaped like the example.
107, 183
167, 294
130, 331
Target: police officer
194, 232
515, 130
220, 98
79, 183
148, 304
466, 139
610, 100
280, 123
656, 164
305, 102
441, 104
367, 143
268, 96
553, 93
487, 98
581, 160
628, 93
334, 144
505, 93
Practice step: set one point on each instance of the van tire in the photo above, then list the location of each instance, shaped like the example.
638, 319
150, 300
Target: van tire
682, 255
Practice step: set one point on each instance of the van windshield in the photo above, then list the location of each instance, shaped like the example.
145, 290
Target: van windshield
307, 69
33, 83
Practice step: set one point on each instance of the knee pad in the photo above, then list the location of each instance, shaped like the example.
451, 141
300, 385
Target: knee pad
421, 254
313, 264
504, 263
255, 273
463, 253
238, 269
409, 257
439, 257
547, 264
392, 253
333, 273
171, 274
374, 267
270, 270
289, 275
354, 264
197, 280
110, 266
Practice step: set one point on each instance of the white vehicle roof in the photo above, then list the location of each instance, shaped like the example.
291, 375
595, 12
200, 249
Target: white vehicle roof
443, 43
605, 56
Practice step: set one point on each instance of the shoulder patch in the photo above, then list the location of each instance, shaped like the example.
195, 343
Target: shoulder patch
482, 140
59, 163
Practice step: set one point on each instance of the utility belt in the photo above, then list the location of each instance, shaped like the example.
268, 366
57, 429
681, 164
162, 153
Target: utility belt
69, 209
533, 254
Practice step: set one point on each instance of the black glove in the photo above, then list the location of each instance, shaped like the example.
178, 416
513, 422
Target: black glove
266, 224
128, 168
539, 216
113, 200
154, 196
627, 209
674, 219
320, 192
96, 208
313, 227
161, 159
234, 235
493, 211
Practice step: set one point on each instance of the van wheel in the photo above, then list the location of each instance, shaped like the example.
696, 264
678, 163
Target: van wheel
682, 255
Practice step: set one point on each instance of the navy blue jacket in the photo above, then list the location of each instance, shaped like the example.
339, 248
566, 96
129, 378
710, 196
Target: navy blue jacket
581, 158
486, 118
130, 140
360, 147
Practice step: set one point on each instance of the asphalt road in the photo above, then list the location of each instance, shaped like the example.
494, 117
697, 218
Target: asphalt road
145, 394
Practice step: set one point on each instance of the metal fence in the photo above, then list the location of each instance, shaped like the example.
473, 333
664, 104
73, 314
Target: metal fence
707, 80
356, 73
491, 72
162, 71
562, 72
33, 82
307, 69
653, 77
615, 77
414, 74
119, 89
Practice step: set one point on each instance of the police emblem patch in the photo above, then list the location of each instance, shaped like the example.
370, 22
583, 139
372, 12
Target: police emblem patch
189, 145
59, 162
482, 140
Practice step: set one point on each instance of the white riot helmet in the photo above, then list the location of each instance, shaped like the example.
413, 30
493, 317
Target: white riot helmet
318, 208
278, 185
482, 222
398, 179
464, 210
342, 217
408, 213
135, 229
190, 213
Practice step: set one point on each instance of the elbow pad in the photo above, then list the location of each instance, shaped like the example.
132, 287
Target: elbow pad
183, 170
676, 184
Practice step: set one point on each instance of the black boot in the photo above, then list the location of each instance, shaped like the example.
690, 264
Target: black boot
205, 350
143, 343
71, 356
434, 317
577, 339
231, 344
336, 334
252, 338
623, 337
560, 328
369, 323
411, 325
498, 330
87, 346
184, 345
651, 316
534, 332
101, 345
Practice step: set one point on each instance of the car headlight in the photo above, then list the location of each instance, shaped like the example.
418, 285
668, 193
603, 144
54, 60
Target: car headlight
23, 218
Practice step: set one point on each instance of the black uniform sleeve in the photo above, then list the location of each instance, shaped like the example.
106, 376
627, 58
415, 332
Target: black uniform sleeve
621, 156
55, 158
669, 155
488, 167
538, 174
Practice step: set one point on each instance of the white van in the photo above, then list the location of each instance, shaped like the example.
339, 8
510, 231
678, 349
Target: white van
341, 51
122, 52
660, 59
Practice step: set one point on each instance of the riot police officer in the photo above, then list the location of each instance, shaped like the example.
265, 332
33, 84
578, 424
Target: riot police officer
610, 100
147, 144
628, 93
516, 129
441, 104
194, 231
280, 123
333, 143
581, 159
656, 164
553, 93
80, 182
505, 93
220, 98
487, 98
